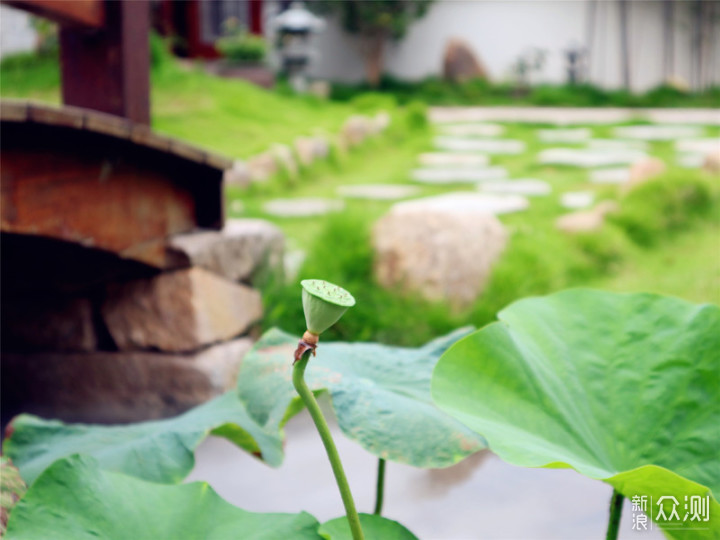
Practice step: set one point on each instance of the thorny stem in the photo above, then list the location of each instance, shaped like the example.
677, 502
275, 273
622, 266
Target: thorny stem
324, 431
616, 503
380, 488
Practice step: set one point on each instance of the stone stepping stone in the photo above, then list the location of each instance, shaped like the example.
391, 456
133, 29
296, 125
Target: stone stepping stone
452, 159
306, 207
521, 186
575, 135
577, 199
489, 146
589, 158
617, 144
472, 130
610, 176
658, 133
380, 192
691, 161
467, 203
698, 146
452, 176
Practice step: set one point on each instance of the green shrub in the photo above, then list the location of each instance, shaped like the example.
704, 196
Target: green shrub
372, 102
665, 205
416, 117
242, 46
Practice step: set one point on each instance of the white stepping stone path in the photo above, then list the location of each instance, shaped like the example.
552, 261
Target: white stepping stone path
617, 144
589, 158
691, 161
698, 146
610, 176
577, 199
306, 207
467, 202
380, 192
452, 159
488, 146
472, 130
574, 135
658, 133
456, 175
521, 186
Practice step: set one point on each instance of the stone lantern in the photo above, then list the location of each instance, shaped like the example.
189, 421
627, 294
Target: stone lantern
295, 27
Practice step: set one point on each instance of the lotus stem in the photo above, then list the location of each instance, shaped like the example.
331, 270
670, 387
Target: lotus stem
332, 453
616, 504
380, 488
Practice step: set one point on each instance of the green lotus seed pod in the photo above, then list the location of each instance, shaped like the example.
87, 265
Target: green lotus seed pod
323, 304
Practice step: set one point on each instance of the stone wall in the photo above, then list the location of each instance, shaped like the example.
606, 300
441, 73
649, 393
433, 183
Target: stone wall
147, 347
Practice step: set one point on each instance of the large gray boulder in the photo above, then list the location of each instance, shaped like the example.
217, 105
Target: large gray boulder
438, 252
179, 311
244, 250
120, 386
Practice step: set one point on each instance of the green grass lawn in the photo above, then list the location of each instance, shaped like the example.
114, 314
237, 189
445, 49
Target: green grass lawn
666, 238
228, 116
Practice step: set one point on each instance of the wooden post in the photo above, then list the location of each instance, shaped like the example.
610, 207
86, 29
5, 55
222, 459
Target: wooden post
108, 69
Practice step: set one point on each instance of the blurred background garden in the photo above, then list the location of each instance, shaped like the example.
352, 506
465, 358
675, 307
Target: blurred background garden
438, 159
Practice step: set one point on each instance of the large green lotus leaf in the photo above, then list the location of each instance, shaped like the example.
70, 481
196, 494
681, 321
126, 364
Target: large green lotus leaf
381, 395
75, 499
159, 451
374, 527
621, 387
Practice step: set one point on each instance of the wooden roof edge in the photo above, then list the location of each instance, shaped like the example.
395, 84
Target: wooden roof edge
14, 110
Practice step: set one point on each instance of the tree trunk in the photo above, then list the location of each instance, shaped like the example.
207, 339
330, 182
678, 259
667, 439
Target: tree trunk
374, 47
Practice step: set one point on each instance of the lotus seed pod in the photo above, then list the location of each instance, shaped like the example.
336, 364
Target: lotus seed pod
323, 304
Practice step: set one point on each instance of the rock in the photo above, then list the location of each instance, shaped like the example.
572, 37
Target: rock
489, 146
178, 311
619, 175
658, 133
381, 121
238, 175
574, 135
119, 387
307, 207
321, 147
586, 220
520, 186
690, 161
442, 255
305, 150
285, 159
452, 159
436, 175
380, 192
577, 199
467, 202
320, 89
356, 129
617, 144
244, 249
698, 146
472, 130
48, 324
644, 170
711, 163
460, 63
262, 167
589, 157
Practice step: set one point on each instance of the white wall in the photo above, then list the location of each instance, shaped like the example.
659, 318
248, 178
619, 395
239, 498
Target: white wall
501, 30
16, 34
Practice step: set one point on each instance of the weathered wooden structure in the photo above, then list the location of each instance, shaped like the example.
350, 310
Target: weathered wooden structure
104, 53
122, 296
